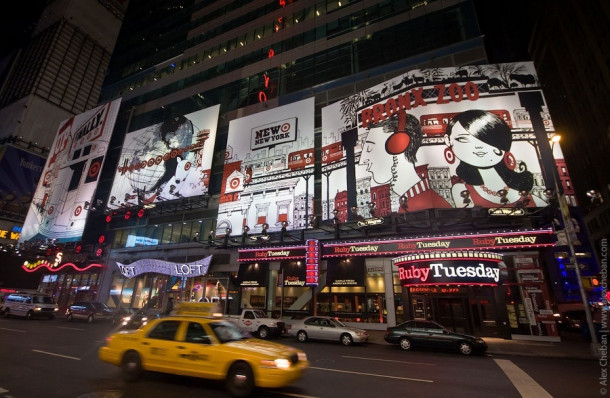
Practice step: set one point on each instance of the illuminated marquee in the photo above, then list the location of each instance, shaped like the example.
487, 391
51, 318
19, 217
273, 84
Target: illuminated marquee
449, 268
501, 240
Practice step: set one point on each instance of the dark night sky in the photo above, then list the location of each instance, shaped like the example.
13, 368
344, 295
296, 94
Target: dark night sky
16, 25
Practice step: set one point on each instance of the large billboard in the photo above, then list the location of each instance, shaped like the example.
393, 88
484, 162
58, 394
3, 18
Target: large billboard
64, 194
20, 172
268, 172
435, 138
166, 161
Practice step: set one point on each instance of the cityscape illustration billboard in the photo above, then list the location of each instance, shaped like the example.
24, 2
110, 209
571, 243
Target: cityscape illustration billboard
166, 161
69, 180
268, 172
435, 138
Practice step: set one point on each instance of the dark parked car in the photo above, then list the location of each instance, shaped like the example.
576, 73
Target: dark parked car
428, 334
89, 311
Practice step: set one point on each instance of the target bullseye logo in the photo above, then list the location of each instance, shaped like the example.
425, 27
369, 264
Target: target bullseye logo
187, 166
285, 127
51, 210
234, 183
78, 210
94, 169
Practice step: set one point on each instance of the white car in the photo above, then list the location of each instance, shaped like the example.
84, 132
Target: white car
325, 328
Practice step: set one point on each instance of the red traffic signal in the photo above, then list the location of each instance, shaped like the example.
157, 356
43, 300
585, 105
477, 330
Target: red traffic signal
101, 239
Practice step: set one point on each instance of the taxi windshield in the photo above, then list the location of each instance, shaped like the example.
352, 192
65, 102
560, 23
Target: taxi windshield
227, 331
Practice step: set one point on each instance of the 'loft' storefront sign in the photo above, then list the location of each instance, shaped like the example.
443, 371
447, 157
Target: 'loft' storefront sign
449, 268
196, 268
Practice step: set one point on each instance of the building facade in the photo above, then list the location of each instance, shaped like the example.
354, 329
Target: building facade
191, 187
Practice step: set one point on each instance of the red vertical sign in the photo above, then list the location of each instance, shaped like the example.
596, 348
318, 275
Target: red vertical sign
312, 262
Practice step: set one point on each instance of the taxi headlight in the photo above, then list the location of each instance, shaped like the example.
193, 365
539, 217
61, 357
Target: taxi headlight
126, 319
279, 363
144, 319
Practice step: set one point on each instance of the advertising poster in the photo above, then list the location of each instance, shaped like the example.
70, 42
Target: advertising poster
435, 138
20, 172
63, 197
166, 161
268, 172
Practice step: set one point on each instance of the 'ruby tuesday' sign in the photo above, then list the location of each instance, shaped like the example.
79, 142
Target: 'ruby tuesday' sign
501, 241
449, 272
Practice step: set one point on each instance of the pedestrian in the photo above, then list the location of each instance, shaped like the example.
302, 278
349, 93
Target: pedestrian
170, 306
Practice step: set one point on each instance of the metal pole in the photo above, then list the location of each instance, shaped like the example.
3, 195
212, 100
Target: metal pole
532, 102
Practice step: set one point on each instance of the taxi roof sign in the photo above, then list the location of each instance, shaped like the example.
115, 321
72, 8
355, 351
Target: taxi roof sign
198, 309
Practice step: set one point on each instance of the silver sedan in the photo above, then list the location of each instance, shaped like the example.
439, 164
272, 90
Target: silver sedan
325, 328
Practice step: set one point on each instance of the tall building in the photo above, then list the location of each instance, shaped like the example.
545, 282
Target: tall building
51, 69
278, 154
569, 47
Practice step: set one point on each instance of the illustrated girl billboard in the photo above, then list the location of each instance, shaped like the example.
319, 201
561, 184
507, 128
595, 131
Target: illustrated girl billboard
435, 138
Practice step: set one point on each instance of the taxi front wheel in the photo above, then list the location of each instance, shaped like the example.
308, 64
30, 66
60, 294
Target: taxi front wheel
131, 366
240, 380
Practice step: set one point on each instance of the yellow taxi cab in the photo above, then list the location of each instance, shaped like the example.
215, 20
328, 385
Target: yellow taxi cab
196, 341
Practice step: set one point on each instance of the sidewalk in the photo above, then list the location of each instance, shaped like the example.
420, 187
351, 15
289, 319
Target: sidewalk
568, 348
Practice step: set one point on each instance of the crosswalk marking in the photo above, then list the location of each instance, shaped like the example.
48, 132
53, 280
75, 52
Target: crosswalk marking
527, 387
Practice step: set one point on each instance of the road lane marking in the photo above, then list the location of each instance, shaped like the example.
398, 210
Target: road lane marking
13, 330
527, 387
65, 327
2, 390
57, 355
372, 374
389, 360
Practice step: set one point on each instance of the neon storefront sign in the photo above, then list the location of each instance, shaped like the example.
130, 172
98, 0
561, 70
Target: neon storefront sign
449, 268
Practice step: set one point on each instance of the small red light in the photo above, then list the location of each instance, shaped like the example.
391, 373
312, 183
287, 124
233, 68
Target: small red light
108, 218
101, 239
127, 215
141, 213
99, 252
78, 249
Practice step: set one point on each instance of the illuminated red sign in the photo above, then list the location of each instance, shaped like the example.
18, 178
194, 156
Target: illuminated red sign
312, 262
501, 240
449, 268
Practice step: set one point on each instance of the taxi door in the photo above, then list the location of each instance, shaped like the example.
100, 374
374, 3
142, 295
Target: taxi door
195, 351
159, 347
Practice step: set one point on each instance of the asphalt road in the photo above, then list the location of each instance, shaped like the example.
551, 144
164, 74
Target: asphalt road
57, 358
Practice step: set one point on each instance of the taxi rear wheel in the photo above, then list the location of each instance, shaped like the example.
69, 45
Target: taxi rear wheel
240, 380
131, 366
29, 315
90, 319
